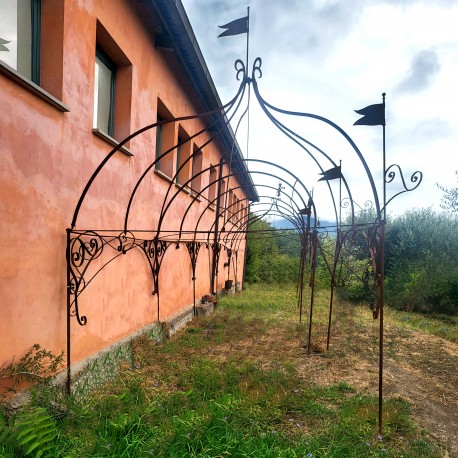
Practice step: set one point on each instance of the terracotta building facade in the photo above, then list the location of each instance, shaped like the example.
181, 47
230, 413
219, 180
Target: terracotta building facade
102, 236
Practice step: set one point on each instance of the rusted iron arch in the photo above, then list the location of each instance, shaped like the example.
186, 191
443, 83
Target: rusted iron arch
158, 158
140, 131
244, 230
234, 212
280, 213
240, 230
275, 176
297, 219
287, 216
340, 130
163, 209
234, 220
290, 207
303, 238
255, 217
238, 236
210, 203
296, 181
199, 194
233, 144
291, 134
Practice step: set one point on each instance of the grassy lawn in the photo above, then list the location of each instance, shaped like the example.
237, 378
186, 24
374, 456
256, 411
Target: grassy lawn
236, 384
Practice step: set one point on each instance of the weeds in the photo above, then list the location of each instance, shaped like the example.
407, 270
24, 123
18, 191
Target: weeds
37, 366
234, 384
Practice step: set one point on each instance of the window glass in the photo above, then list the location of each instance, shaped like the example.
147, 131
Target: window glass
19, 35
158, 143
212, 186
103, 96
196, 169
178, 162
166, 141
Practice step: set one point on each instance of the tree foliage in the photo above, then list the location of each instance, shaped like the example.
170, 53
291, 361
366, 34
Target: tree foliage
272, 256
422, 262
450, 197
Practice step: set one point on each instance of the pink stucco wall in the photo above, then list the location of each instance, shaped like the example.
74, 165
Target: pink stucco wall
48, 156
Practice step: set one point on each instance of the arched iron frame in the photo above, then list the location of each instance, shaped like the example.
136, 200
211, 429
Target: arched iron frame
291, 200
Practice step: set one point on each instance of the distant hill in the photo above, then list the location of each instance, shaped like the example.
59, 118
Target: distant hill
285, 224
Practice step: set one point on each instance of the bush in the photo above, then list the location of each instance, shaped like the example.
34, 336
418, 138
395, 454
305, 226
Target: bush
422, 262
270, 257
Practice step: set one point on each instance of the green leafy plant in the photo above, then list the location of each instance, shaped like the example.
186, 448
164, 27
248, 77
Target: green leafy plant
38, 365
30, 432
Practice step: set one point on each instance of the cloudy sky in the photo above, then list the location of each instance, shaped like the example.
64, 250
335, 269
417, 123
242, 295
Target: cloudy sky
329, 57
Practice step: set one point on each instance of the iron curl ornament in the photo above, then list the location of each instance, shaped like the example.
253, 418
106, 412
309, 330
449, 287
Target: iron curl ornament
368, 206
256, 68
126, 241
391, 173
82, 250
154, 250
242, 71
193, 250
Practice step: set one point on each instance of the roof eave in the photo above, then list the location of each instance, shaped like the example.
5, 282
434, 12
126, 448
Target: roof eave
179, 34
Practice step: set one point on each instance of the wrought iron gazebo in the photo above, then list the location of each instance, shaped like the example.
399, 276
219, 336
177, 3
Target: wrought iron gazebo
280, 191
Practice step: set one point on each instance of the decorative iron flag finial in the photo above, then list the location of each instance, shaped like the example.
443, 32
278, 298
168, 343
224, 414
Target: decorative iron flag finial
373, 115
331, 174
235, 27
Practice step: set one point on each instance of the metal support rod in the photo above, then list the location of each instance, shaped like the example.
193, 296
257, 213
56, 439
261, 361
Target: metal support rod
382, 281
245, 251
312, 285
330, 315
216, 231
68, 315
382, 300
333, 284
194, 295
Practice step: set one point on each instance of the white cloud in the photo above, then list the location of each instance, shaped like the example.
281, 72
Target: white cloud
329, 58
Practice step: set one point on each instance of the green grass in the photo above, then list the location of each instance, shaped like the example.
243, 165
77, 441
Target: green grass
199, 395
440, 325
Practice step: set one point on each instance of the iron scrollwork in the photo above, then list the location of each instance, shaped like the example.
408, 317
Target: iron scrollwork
82, 250
391, 173
242, 72
368, 206
240, 69
193, 250
154, 250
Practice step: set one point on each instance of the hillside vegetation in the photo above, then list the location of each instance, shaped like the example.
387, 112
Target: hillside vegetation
421, 267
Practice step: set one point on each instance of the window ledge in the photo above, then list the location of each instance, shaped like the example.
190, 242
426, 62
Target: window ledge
110, 140
188, 190
195, 196
163, 175
32, 87
183, 188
